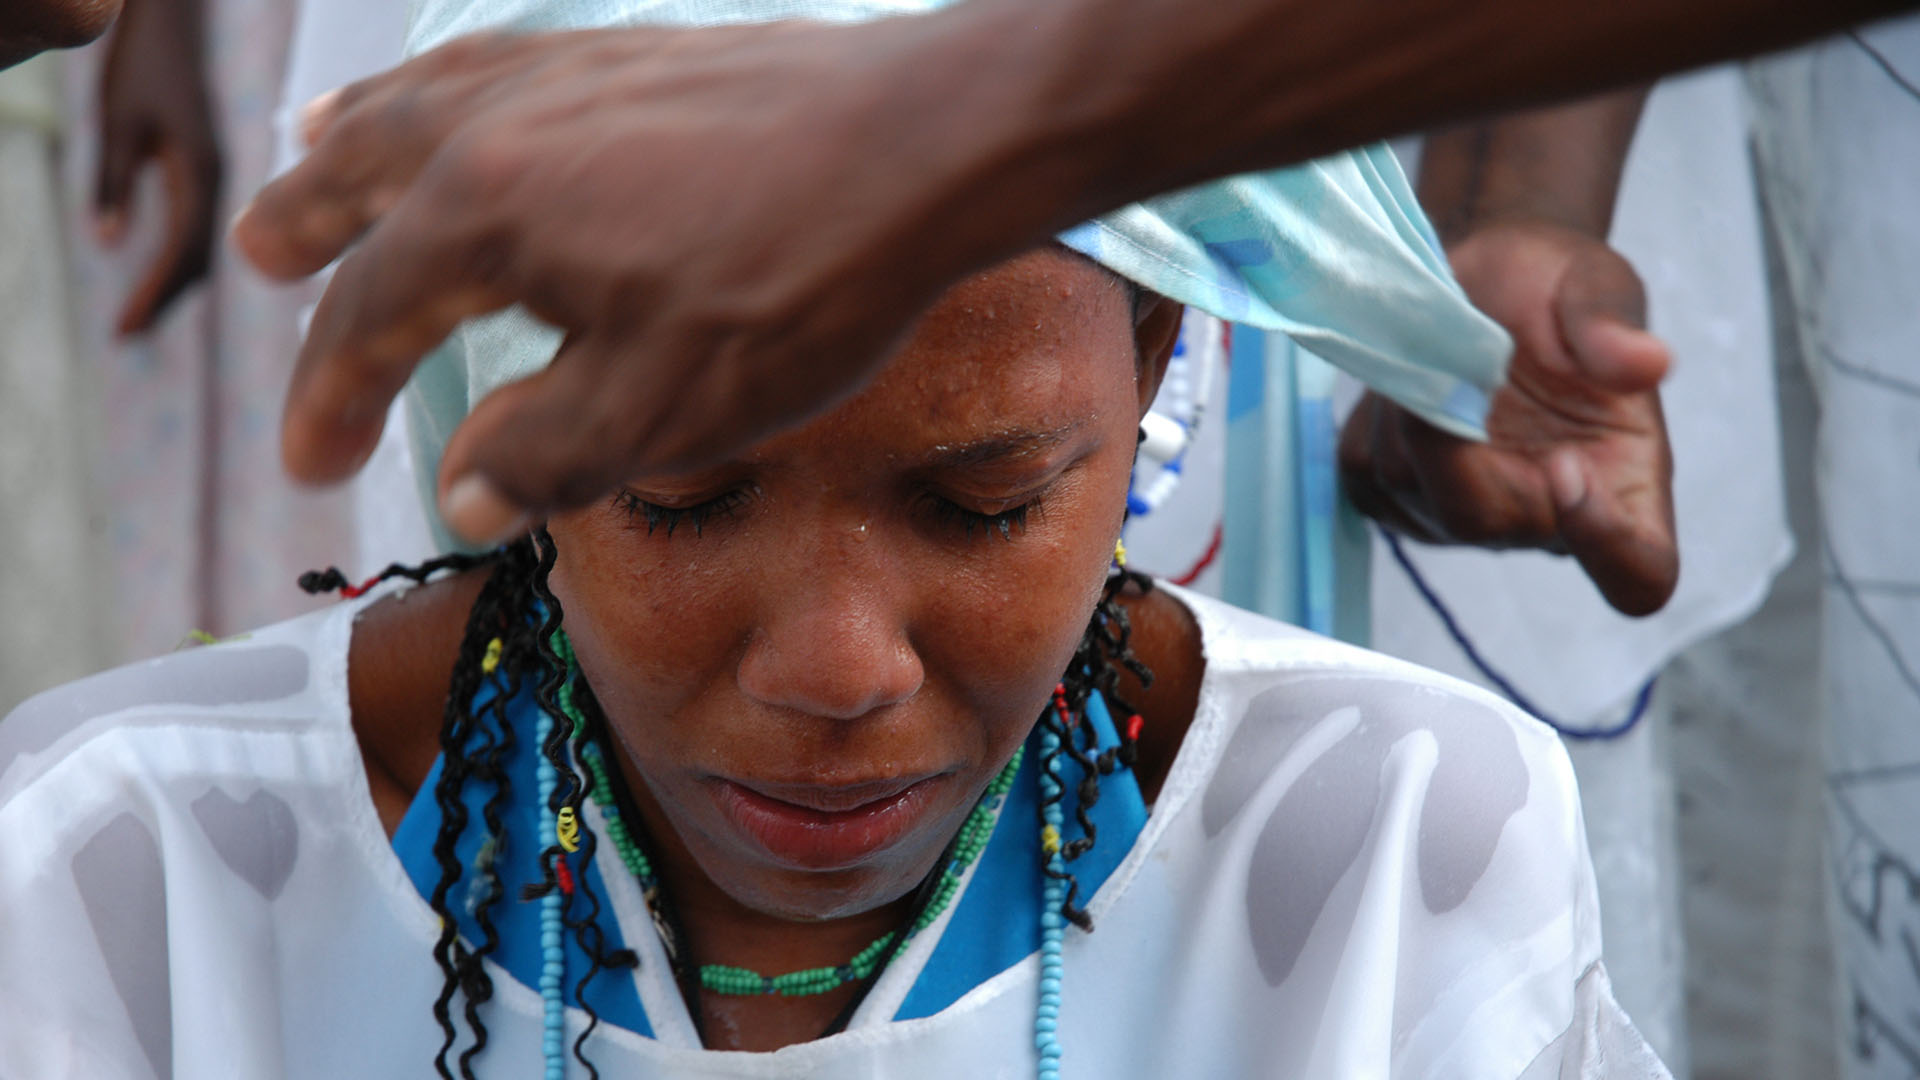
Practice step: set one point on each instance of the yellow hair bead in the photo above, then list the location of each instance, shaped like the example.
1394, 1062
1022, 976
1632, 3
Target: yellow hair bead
566, 829
1119, 553
491, 662
1050, 840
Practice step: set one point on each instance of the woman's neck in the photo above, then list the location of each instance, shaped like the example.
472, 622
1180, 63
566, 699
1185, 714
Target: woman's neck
1167, 640
719, 929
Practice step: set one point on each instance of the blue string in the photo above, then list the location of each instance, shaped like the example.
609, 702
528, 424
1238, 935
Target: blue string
1513, 694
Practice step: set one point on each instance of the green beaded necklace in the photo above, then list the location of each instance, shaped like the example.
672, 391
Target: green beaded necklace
745, 982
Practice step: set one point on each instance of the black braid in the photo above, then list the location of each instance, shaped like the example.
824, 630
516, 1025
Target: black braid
1050, 765
332, 580
1105, 648
490, 618
486, 764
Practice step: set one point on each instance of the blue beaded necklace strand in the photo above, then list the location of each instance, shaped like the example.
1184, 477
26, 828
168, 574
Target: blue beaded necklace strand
1052, 923
553, 967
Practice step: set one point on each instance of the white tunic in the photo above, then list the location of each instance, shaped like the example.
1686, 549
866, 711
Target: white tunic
1356, 868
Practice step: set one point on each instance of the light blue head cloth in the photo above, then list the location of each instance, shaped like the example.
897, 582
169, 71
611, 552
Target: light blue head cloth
1335, 253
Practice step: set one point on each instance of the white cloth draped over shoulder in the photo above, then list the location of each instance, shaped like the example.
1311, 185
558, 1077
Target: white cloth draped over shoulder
1356, 868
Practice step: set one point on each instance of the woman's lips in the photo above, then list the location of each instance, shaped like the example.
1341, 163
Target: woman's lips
825, 827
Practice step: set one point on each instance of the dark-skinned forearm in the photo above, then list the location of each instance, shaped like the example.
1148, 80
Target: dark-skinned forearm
1560, 164
1096, 103
183, 20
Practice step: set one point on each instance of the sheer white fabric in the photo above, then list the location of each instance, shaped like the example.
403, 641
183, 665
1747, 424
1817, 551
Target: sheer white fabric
1357, 868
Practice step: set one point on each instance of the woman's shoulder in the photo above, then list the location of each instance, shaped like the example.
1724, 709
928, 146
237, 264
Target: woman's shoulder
1338, 817
173, 821
1265, 672
290, 676
1311, 730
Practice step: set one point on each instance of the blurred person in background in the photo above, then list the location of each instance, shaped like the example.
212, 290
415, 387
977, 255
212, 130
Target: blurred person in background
168, 123
1795, 743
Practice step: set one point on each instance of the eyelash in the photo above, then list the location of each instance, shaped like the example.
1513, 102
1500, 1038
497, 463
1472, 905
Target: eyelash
1004, 522
947, 511
697, 515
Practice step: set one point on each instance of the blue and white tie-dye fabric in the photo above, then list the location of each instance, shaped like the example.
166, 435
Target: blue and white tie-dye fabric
1336, 253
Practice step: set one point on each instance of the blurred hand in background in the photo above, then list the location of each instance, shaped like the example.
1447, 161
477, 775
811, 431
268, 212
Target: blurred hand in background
156, 109
29, 26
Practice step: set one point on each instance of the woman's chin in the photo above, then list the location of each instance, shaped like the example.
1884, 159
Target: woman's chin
821, 897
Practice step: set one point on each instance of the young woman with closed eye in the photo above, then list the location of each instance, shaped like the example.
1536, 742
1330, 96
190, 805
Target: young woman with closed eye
853, 756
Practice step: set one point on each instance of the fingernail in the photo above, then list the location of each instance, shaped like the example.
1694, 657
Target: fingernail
1567, 479
476, 510
110, 227
238, 216
315, 114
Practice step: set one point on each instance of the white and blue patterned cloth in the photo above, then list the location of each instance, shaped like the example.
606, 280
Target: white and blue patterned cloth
1335, 253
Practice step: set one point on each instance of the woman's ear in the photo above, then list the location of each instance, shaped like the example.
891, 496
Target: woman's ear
1156, 331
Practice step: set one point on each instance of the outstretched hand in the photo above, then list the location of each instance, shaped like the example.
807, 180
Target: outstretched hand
1577, 459
601, 179
155, 108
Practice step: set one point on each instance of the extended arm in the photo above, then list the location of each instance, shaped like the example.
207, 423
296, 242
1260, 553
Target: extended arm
734, 225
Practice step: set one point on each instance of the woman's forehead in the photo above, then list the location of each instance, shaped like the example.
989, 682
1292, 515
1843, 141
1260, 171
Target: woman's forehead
1041, 343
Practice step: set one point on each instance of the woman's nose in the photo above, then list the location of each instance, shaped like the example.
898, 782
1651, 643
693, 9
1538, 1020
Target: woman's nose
836, 643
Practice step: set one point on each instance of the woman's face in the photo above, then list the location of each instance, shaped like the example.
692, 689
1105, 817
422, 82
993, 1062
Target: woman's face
818, 656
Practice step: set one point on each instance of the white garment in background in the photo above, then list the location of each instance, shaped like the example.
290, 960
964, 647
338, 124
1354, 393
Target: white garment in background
1687, 220
54, 582
336, 42
1837, 145
1356, 867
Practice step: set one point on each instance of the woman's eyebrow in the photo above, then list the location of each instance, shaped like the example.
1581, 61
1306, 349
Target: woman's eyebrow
1000, 446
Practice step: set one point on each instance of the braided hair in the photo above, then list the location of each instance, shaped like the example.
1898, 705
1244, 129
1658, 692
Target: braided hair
1105, 649
507, 642
509, 639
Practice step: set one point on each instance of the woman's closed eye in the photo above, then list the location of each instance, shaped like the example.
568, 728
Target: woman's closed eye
671, 517
957, 516
1006, 521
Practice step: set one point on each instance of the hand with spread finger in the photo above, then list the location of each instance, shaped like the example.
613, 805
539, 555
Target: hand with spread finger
615, 184
155, 108
1577, 459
